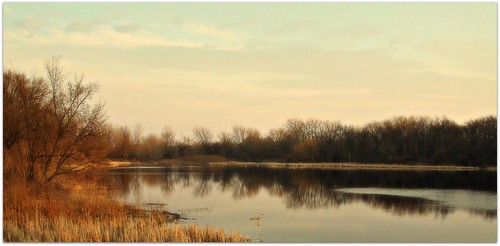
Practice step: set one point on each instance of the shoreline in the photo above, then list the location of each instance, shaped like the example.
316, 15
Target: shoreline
333, 166
357, 166
79, 208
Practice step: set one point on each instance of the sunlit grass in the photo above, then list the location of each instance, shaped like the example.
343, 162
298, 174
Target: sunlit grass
346, 166
78, 209
149, 229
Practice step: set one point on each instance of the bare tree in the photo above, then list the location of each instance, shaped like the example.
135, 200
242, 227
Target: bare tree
277, 135
168, 136
121, 141
168, 142
150, 148
61, 132
239, 134
79, 126
137, 134
137, 139
186, 140
296, 129
203, 134
25, 124
225, 138
14, 85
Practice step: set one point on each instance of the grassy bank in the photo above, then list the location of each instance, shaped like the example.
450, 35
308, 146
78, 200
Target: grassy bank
353, 166
148, 229
220, 161
78, 208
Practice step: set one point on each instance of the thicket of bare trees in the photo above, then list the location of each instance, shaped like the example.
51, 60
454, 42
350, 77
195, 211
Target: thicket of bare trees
50, 126
397, 140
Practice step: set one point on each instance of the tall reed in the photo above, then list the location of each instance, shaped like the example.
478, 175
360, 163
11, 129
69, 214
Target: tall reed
78, 209
126, 229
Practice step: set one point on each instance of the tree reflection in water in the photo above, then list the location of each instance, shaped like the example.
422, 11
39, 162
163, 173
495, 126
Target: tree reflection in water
311, 188
400, 206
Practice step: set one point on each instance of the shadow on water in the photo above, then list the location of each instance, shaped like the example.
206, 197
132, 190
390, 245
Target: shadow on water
313, 188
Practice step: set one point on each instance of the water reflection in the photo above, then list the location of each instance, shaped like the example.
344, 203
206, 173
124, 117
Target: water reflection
406, 205
314, 188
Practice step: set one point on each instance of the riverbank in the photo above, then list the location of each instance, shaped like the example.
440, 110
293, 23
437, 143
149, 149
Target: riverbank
212, 161
355, 166
78, 208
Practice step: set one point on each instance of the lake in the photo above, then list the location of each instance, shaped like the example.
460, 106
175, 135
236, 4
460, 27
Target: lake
319, 205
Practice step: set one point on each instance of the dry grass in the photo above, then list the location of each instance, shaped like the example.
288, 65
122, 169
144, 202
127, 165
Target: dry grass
129, 229
214, 160
195, 159
353, 166
119, 163
191, 160
78, 209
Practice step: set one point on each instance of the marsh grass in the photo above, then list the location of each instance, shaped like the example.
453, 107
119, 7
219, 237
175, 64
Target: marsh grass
78, 208
129, 229
214, 160
354, 166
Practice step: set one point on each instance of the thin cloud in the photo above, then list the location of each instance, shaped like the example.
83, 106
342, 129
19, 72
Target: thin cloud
211, 31
29, 23
78, 26
349, 64
103, 37
473, 59
127, 28
443, 96
360, 31
293, 27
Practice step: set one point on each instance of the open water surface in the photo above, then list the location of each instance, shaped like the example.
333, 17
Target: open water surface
317, 205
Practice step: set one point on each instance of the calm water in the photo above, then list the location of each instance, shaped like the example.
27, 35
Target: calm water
314, 205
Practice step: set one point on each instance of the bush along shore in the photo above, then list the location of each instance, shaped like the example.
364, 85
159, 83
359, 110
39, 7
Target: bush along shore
77, 208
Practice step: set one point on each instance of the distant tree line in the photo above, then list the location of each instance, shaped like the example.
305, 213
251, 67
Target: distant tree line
51, 127
407, 140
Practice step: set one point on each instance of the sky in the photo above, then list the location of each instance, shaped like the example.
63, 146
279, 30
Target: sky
218, 65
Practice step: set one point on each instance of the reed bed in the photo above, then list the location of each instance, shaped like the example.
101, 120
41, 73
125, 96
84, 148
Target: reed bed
78, 209
115, 230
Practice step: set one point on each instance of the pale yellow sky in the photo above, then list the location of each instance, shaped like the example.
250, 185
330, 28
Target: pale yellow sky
258, 64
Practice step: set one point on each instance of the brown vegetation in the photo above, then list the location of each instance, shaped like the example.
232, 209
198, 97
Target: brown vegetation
352, 166
50, 126
52, 130
400, 140
77, 208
